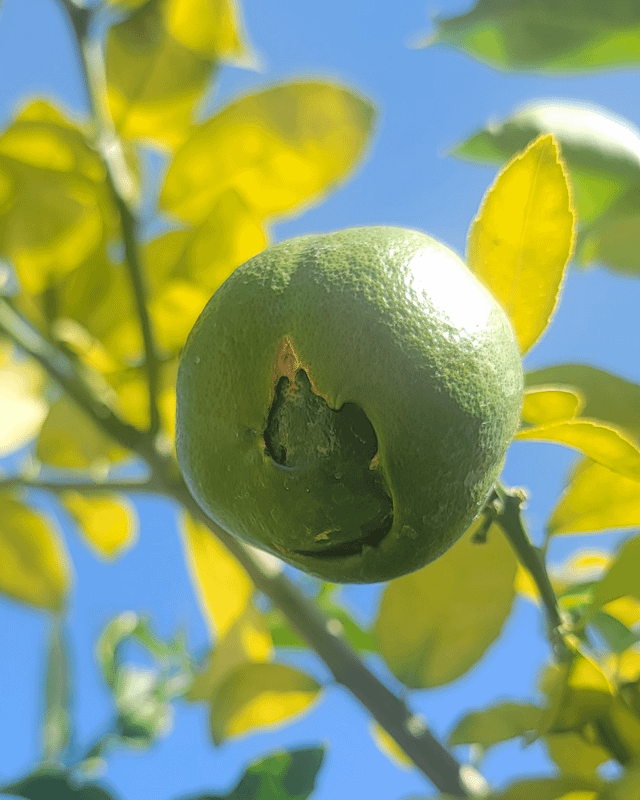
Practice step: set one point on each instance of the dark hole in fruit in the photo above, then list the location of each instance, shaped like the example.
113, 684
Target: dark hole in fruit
330, 454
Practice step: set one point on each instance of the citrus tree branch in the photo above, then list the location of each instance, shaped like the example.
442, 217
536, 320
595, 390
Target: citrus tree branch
408, 731
509, 517
121, 187
24, 482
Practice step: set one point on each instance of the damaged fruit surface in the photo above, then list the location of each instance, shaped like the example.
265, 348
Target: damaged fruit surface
345, 401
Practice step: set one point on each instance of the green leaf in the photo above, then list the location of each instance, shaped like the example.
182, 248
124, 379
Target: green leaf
285, 775
54, 785
70, 439
623, 576
521, 240
600, 149
548, 35
56, 719
596, 499
606, 397
435, 624
542, 405
33, 562
613, 238
617, 636
107, 521
495, 724
278, 149
599, 442
115, 632
159, 62
55, 210
256, 696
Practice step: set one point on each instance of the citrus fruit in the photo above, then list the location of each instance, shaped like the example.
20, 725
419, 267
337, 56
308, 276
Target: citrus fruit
345, 402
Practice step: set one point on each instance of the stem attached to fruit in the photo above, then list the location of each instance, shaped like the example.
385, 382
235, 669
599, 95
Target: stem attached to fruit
508, 516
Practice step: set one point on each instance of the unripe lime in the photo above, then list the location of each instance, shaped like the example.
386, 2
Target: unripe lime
345, 402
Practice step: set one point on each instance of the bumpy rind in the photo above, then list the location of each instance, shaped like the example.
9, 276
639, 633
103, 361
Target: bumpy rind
384, 318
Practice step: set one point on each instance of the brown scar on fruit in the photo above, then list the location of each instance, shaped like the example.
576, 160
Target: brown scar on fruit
288, 363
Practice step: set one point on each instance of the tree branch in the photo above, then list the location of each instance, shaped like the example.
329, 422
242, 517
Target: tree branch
121, 186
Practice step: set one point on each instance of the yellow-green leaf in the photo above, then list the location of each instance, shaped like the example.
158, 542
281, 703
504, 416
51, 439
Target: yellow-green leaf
543, 405
247, 640
573, 755
495, 724
521, 240
54, 205
154, 81
279, 149
210, 28
258, 696
623, 576
22, 404
600, 442
389, 746
596, 499
107, 521
566, 787
434, 624
34, 568
223, 587
206, 253
70, 439
607, 397
578, 692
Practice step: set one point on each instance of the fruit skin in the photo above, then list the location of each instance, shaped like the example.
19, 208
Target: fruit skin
389, 322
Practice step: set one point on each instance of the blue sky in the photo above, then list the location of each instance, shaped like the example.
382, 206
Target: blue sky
428, 100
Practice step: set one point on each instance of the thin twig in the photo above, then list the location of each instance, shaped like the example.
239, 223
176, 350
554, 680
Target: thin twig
84, 487
120, 183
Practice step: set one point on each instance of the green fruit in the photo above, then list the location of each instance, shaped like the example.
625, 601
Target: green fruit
345, 402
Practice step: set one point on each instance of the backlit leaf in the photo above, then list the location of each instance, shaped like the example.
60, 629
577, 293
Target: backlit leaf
623, 576
495, 724
617, 635
107, 521
259, 696
548, 35
159, 62
600, 149
22, 405
247, 640
277, 149
223, 587
206, 253
54, 205
389, 746
521, 240
601, 443
596, 499
435, 624
69, 438
613, 238
33, 562
607, 397
542, 406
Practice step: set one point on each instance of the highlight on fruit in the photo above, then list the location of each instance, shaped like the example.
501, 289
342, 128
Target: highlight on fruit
345, 401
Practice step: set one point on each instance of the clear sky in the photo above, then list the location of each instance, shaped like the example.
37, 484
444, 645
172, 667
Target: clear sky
428, 100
